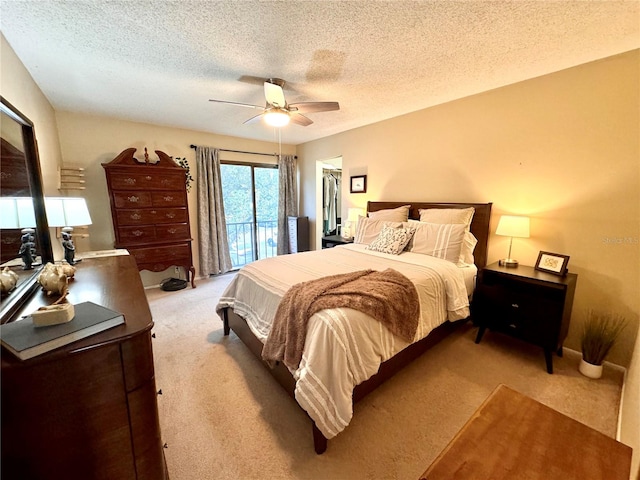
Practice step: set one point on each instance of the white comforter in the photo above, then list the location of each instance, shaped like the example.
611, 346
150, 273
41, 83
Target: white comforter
343, 347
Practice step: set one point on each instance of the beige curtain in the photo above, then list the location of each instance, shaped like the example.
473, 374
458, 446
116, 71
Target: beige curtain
212, 227
287, 199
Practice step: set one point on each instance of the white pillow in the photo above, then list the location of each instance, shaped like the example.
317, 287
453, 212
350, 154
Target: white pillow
468, 246
391, 240
400, 214
368, 229
458, 216
448, 215
441, 241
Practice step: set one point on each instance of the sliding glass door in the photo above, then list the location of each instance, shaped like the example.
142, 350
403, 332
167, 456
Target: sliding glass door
250, 196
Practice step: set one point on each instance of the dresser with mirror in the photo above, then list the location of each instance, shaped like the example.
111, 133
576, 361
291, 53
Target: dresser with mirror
87, 409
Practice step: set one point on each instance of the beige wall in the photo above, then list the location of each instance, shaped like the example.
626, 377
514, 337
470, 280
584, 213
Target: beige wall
563, 148
19, 89
89, 141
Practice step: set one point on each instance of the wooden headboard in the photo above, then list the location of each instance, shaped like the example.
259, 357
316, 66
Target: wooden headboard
479, 223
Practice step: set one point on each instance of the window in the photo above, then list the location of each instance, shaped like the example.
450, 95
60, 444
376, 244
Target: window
250, 196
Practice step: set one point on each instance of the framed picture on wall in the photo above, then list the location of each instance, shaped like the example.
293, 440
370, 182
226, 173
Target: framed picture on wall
554, 263
359, 184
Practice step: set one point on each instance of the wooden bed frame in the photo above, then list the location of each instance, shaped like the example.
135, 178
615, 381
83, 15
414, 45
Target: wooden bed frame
479, 227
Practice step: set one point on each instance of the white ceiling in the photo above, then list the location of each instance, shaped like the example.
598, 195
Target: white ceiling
160, 61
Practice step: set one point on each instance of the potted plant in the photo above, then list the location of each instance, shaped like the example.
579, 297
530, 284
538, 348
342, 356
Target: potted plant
598, 336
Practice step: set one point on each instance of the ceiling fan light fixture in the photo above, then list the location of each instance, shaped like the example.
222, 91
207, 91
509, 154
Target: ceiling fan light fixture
277, 118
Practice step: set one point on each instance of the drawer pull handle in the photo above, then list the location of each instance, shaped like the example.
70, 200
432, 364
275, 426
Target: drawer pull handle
172, 230
170, 215
148, 177
130, 181
136, 216
133, 199
168, 198
515, 305
137, 233
512, 325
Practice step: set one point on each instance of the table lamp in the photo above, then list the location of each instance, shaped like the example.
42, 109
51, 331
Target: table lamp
512, 226
67, 212
348, 230
17, 212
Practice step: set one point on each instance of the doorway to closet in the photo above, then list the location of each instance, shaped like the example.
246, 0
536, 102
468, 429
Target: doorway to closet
329, 198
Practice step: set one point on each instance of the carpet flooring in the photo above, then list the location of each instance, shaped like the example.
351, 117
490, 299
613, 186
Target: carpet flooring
224, 417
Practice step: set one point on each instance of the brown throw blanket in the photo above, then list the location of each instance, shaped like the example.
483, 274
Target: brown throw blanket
387, 296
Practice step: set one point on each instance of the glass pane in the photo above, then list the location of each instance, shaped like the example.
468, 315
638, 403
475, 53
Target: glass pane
267, 211
238, 207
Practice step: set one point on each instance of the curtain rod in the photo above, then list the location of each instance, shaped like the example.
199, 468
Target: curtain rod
243, 151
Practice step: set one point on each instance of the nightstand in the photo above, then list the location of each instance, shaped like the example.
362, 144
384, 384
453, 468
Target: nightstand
331, 241
525, 303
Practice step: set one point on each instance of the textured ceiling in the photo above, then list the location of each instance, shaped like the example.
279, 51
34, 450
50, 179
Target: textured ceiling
161, 61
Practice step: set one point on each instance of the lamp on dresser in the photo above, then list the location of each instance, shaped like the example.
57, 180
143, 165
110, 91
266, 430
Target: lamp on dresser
67, 212
512, 226
17, 213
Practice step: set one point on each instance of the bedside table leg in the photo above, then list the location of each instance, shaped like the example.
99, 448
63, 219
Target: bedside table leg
480, 334
549, 360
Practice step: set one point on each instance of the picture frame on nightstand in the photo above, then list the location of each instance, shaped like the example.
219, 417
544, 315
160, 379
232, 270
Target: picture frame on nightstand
554, 263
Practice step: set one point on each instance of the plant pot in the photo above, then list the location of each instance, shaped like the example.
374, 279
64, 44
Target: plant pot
589, 369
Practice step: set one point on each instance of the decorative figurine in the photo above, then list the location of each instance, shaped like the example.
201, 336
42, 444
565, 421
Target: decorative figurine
53, 280
27, 249
68, 270
8, 280
69, 248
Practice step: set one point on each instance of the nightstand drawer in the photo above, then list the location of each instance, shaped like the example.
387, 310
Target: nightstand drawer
522, 311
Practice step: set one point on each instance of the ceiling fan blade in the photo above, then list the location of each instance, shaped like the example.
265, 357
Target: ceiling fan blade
312, 107
300, 119
254, 119
274, 94
238, 104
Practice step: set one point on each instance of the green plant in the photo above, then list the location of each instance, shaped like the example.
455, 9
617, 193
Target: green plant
599, 334
187, 174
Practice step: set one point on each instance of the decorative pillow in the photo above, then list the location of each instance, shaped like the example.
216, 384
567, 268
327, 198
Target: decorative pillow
368, 229
391, 240
400, 214
441, 241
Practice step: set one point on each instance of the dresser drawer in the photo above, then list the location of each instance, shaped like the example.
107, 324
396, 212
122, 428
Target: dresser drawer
132, 199
137, 234
172, 232
168, 199
166, 253
151, 216
147, 181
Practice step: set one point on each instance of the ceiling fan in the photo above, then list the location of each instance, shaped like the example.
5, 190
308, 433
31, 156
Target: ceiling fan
277, 112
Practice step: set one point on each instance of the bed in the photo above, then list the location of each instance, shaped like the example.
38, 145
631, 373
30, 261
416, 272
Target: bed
338, 368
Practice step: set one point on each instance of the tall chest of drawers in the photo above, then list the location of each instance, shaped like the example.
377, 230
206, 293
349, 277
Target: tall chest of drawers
150, 211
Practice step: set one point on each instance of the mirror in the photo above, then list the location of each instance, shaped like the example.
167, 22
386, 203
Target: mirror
20, 177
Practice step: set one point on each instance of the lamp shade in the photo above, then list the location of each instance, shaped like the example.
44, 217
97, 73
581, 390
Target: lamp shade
67, 211
354, 213
17, 212
513, 226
